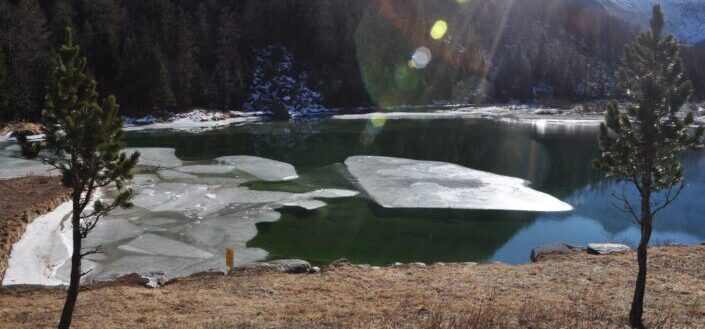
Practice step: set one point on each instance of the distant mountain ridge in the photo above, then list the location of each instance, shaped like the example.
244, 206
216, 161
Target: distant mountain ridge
684, 18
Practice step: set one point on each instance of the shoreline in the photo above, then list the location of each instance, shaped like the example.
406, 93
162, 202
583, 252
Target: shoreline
199, 120
571, 291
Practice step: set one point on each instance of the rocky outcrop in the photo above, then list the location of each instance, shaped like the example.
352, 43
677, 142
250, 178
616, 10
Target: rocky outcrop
23, 200
560, 248
607, 248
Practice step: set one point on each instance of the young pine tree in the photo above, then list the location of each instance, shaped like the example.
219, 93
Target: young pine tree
642, 145
84, 138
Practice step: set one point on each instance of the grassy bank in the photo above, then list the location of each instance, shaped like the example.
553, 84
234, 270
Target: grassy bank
574, 291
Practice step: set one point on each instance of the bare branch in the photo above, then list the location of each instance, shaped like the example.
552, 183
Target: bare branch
669, 199
96, 250
626, 206
86, 272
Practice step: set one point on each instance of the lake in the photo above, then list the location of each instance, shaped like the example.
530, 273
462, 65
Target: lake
555, 160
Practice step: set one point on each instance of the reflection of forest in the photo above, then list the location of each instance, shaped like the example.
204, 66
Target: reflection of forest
362, 232
684, 215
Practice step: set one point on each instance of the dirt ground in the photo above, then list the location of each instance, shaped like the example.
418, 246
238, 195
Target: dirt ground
573, 291
21, 200
7, 127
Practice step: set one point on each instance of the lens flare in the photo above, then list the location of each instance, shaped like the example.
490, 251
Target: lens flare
378, 120
420, 58
439, 29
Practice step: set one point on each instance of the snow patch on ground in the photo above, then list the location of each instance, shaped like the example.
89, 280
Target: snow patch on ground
274, 80
44, 247
404, 183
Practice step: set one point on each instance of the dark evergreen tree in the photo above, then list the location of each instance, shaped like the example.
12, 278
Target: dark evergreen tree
226, 80
84, 136
162, 95
641, 145
4, 99
184, 67
25, 44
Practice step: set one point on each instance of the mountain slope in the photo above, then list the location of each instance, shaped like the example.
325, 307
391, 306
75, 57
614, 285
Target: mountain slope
684, 18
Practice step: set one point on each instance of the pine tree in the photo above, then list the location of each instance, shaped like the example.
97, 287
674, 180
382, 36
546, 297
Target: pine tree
641, 146
4, 110
85, 138
25, 46
163, 96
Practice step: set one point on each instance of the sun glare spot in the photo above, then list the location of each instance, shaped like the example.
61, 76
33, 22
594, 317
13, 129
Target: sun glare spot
378, 120
420, 58
439, 29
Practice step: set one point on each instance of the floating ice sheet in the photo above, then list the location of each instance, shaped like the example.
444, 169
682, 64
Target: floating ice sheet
14, 167
404, 183
264, 169
109, 230
156, 157
207, 169
152, 244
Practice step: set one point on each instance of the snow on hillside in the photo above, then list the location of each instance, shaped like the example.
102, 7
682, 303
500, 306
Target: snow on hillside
275, 83
684, 18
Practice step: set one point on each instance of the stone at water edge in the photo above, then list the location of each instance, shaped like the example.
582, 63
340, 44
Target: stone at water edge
607, 248
291, 266
553, 249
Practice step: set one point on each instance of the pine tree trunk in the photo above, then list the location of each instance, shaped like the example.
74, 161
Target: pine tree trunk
75, 280
637, 311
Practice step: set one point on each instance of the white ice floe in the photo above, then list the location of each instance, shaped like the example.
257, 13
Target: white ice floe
109, 230
207, 169
181, 222
156, 157
152, 244
44, 247
404, 183
168, 174
230, 230
14, 167
264, 169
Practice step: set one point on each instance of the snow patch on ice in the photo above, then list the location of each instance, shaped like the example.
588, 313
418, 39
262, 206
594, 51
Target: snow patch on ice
264, 169
156, 157
14, 167
152, 244
405, 183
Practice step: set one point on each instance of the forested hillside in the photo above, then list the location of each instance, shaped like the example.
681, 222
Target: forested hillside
177, 55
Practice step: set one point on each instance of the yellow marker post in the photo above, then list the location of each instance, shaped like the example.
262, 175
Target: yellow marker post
229, 258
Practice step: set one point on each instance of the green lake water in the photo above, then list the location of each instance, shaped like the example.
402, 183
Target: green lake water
554, 159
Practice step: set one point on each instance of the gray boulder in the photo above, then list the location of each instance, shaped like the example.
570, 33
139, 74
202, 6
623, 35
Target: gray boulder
282, 265
553, 249
607, 248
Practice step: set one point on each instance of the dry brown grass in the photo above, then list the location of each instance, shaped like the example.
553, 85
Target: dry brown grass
577, 291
